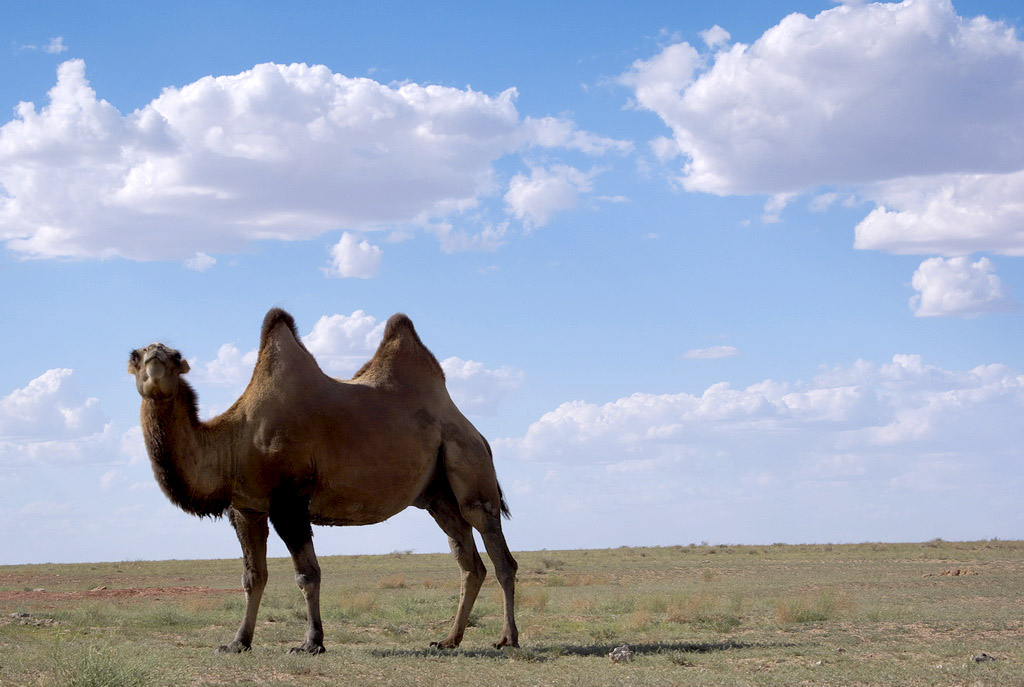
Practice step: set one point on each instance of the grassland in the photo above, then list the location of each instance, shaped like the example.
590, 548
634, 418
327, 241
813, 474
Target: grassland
867, 614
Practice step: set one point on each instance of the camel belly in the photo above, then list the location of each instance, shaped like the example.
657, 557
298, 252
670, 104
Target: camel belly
358, 506
368, 492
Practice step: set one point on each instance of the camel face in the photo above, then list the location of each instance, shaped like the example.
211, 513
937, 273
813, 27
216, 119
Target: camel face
157, 369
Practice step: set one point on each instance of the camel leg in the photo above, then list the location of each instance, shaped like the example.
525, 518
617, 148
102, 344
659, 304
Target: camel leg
487, 521
295, 530
460, 538
251, 528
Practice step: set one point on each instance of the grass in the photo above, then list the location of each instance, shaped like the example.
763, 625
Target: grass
870, 614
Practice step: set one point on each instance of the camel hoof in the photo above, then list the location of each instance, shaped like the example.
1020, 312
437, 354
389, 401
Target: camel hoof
445, 644
308, 648
503, 642
233, 648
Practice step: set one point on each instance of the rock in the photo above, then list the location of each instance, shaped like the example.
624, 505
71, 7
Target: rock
621, 654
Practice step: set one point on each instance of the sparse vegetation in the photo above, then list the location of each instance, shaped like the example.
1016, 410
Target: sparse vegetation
872, 614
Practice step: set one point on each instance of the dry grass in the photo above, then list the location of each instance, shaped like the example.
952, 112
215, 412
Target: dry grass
873, 614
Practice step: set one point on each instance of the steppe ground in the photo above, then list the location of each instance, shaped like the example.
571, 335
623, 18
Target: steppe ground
935, 613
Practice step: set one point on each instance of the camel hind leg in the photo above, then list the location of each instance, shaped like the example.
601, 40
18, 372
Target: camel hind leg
445, 511
470, 470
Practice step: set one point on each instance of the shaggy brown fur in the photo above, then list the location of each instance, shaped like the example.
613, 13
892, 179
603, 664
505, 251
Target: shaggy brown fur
301, 448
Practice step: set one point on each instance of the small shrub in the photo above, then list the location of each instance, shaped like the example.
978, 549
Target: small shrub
824, 607
393, 582
581, 580
535, 600
554, 581
639, 621
358, 604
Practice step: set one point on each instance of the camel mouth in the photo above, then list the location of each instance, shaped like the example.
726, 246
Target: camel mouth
155, 368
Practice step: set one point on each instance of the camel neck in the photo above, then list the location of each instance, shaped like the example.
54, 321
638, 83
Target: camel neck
191, 461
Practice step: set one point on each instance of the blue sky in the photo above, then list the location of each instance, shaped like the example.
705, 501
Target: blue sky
730, 272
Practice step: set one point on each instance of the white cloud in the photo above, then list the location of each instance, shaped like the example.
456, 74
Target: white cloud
774, 206
551, 132
947, 215
712, 353
806, 104
477, 390
342, 343
51, 421
488, 239
56, 46
200, 263
50, 407
959, 288
279, 151
230, 368
806, 456
536, 198
353, 258
715, 37
909, 104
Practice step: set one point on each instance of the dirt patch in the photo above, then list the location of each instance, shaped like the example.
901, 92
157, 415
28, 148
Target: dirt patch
953, 572
102, 593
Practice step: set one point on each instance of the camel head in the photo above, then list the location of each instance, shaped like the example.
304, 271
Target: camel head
157, 370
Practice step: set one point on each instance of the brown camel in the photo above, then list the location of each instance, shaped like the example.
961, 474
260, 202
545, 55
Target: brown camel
301, 448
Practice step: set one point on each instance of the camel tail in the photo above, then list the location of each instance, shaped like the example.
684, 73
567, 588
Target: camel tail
501, 494
504, 504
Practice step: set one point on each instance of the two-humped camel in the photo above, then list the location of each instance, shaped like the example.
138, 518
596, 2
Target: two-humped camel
301, 448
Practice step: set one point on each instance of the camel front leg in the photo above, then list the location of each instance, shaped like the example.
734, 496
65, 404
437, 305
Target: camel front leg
295, 530
252, 531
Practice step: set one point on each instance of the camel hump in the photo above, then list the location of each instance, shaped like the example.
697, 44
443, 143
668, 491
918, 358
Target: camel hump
274, 317
401, 351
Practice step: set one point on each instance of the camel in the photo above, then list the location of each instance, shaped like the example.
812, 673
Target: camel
300, 448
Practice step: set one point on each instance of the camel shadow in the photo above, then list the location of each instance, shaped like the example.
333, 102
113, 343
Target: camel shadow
552, 651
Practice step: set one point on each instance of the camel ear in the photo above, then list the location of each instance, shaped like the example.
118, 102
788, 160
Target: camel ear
133, 363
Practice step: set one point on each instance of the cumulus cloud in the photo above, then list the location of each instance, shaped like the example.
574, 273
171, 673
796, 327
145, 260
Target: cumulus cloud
477, 390
806, 104
351, 257
958, 287
200, 263
851, 442
50, 406
909, 104
342, 343
230, 368
535, 198
51, 421
279, 151
946, 215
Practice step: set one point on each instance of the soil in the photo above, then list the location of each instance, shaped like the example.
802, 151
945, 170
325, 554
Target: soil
101, 593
